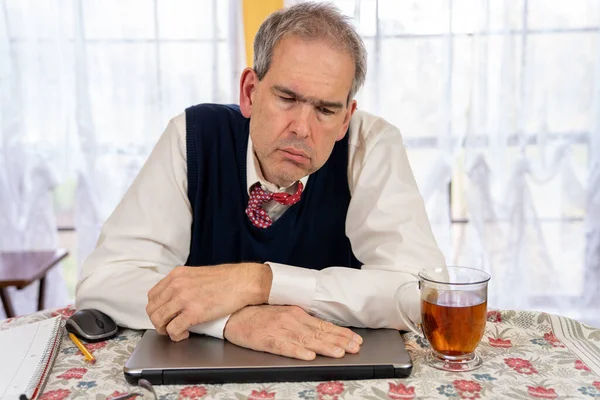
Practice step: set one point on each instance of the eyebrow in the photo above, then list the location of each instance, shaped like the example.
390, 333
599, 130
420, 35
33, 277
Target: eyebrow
310, 100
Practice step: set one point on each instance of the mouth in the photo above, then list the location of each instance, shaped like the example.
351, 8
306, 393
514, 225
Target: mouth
297, 156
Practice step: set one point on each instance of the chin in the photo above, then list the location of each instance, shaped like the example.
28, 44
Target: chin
284, 175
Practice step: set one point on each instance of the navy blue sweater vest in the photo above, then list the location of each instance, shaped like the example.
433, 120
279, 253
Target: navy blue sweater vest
309, 234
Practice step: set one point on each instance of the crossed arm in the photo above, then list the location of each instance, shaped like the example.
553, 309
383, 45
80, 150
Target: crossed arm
133, 275
287, 330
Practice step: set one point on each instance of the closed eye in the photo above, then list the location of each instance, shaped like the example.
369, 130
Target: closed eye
325, 111
287, 99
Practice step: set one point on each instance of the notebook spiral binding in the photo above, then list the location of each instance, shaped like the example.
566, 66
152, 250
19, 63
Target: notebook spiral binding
38, 380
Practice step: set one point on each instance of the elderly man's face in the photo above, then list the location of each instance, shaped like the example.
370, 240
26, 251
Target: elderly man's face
299, 110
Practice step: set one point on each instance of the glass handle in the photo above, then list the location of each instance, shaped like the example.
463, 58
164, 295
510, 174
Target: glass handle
407, 321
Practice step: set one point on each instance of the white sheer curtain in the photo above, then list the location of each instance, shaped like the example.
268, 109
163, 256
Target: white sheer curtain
499, 104
87, 87
27, 173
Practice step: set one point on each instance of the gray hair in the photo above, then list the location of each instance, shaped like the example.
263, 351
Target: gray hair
311, 21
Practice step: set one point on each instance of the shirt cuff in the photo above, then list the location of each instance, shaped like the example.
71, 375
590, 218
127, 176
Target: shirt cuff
292, 285
213, 328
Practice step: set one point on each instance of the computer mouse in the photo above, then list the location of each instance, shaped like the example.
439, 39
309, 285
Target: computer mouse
91, 325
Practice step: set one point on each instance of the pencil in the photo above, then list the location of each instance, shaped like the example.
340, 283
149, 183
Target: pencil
88, 356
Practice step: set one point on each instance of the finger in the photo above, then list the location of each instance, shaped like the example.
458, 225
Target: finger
323, 343
159, 287
319, 338
284, 347
179, 338
161, 290
162, 316
178, 326
159, 299
328, 327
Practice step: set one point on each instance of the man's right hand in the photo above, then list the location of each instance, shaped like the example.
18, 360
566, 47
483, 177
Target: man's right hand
289, 331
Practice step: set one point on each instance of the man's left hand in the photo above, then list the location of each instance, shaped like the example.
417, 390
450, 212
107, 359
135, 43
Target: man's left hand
189, 296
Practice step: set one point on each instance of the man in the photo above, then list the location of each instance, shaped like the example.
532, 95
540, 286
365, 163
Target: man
305, 209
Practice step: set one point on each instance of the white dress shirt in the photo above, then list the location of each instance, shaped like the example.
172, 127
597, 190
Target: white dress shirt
149, 232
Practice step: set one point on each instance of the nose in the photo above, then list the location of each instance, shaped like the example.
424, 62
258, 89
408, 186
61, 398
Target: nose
302, 121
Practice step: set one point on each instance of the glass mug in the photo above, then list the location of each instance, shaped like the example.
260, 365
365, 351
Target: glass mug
453, 313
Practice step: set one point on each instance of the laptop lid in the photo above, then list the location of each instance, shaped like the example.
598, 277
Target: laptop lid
204, 359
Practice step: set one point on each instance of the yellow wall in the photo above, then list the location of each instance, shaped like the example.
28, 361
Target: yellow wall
255, 12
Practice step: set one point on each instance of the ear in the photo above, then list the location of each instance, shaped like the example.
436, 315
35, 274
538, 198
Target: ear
248, 83
347, 117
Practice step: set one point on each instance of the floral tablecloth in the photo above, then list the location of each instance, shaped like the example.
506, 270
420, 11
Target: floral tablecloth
526, 355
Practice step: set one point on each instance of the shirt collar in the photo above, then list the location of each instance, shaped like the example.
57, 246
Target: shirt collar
254, 174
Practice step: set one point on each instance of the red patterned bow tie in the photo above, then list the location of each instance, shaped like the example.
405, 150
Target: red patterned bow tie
258, 197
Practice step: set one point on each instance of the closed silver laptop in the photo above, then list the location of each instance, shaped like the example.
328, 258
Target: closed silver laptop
203, 359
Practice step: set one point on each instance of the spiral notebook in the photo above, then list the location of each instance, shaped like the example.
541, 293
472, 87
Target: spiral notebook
26, 357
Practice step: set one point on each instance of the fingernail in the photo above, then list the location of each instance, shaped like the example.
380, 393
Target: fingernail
353, 346
357, 339
308, 354
338, 351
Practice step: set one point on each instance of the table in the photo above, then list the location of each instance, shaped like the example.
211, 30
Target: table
526, 355
22, 268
